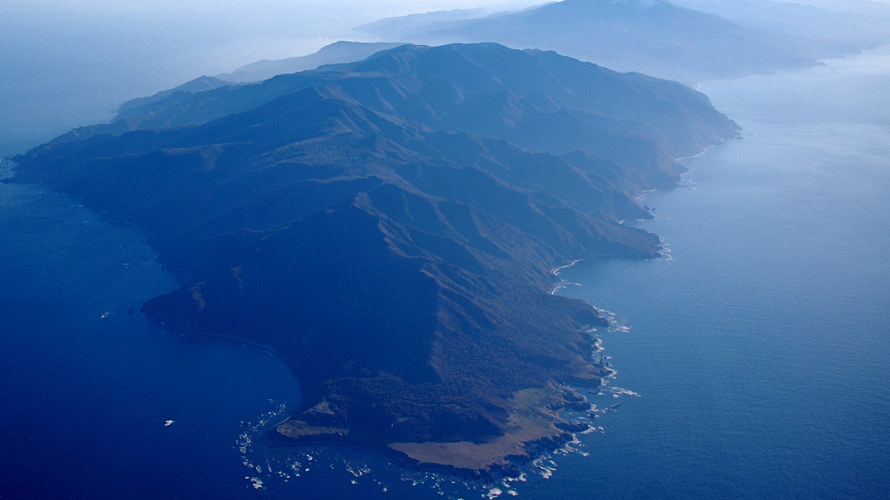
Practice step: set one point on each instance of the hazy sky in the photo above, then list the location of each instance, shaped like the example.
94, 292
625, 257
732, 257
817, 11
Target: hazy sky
204, 36
71, 62
211, 35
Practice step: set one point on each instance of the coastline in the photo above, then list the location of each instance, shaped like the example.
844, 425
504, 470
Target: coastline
810, 160
557, 270
697, 154
539, 428
542, 427
463, 458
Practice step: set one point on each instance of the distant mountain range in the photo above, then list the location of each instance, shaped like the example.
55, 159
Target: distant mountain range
389, 227
651, 36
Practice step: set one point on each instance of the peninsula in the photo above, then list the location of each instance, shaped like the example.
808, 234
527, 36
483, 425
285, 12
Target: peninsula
389, 226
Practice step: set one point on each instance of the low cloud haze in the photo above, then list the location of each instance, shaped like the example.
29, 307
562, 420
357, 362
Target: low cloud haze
68, 63
200, 35
171, 40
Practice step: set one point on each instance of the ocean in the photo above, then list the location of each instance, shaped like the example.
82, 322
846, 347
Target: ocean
752, 360
760, 347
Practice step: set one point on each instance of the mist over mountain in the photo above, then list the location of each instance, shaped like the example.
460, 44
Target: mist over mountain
535, 99
831, 30
337, 52
389, 227
44, 93
423, 21
69, 63
60, 74
651, 36
199, 84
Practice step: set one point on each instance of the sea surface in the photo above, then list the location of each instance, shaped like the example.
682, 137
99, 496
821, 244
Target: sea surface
753, 360
761, 347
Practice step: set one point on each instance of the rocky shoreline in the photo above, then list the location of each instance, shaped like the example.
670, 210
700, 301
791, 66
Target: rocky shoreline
562, 432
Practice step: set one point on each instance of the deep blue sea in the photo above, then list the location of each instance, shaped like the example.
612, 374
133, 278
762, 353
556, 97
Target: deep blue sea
753, 361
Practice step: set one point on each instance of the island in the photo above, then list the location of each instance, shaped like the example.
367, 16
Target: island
389, 228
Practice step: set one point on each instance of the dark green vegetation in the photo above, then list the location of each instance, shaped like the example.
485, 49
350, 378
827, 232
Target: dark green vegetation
381, 226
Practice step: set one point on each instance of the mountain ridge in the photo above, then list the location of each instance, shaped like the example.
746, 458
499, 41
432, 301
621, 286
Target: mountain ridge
647, 120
